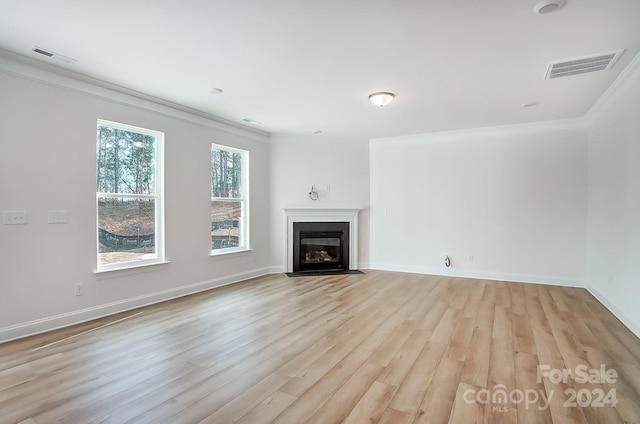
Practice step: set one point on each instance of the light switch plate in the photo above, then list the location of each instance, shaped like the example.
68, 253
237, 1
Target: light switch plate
14, 217
57, 217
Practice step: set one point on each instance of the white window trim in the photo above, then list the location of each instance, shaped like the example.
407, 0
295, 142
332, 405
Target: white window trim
245, 230
158, 196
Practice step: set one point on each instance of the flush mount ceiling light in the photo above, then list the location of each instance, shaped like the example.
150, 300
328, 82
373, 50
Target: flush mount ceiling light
548, 6
381, 98
215, 90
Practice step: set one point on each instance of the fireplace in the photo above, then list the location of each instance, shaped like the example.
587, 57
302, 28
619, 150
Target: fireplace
349, 251
320, 246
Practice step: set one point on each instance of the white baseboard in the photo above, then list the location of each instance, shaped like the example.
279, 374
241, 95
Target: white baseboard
629, 323
75, 317
482, 275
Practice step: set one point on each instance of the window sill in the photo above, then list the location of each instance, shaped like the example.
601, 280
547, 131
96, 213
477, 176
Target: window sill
130, 269
229, 252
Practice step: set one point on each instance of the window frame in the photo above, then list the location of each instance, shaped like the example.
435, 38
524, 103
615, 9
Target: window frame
244, 237
158, 197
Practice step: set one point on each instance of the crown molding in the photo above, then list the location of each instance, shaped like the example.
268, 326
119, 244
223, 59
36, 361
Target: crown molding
618, 83
35, 70
571, 124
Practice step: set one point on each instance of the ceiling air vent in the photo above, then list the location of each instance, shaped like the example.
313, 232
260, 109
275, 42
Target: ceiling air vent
582, 65
44, 52
52, 55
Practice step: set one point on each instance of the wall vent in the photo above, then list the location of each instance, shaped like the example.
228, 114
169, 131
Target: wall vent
52, 55
582, 65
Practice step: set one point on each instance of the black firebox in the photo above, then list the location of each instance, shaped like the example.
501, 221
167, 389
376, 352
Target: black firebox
320, 246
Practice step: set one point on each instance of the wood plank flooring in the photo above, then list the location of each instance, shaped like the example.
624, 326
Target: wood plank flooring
379, 347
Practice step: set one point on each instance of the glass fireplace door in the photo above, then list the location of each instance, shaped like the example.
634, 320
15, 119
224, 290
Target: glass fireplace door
320, 251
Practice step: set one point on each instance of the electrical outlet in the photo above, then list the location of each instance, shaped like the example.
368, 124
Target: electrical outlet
79, 289
14, 217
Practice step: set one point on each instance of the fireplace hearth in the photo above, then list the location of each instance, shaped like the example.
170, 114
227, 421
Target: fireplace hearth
320, 246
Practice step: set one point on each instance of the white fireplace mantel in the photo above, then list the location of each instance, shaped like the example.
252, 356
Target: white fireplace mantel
349, 215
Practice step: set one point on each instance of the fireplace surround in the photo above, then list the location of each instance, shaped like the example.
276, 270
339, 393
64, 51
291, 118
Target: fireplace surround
326, 215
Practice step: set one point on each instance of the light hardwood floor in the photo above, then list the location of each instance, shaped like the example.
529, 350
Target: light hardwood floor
382, 347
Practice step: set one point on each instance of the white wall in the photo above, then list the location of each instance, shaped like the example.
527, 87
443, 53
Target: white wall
613, 246
47, 161
297, 163
513, 198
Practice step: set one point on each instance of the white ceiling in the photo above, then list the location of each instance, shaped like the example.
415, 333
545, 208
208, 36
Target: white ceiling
298, 66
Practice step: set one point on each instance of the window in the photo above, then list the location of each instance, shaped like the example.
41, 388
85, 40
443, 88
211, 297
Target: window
129, 196
229, 199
